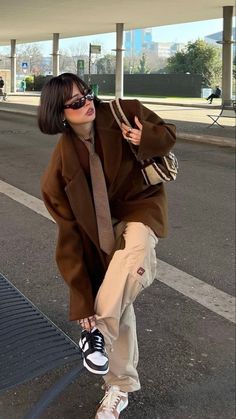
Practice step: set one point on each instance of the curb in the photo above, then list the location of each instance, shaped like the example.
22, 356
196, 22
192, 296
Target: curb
159, 102
18, 111
149, 101
207, 139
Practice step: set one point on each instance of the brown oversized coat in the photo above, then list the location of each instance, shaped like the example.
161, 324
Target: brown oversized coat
67, 196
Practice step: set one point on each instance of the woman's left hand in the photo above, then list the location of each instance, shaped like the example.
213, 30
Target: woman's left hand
88, 323
133, 135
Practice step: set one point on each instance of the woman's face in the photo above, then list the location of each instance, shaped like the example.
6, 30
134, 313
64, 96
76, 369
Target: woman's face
82, 115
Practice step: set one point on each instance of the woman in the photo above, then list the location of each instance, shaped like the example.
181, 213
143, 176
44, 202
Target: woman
106, 245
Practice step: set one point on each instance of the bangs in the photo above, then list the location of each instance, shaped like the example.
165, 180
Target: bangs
67, 81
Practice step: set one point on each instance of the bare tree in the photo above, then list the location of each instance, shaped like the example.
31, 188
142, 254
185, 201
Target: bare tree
131, 64
30, 53
106, 64
70, 56
155, 63
4, 61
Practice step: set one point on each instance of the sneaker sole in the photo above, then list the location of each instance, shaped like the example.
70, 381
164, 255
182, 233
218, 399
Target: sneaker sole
90, 369
124, 406
97, 372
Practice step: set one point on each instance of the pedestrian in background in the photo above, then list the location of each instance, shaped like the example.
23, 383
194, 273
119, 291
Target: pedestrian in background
23, 85
109, 222
2, 93
215, 95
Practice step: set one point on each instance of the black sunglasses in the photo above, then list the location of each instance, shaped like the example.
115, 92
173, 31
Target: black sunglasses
81, 101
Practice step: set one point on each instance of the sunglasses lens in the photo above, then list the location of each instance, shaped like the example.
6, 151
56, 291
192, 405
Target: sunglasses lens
81, 102
90, 96
78, 104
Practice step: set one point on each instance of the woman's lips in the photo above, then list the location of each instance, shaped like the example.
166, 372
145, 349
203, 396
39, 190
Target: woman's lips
90, 112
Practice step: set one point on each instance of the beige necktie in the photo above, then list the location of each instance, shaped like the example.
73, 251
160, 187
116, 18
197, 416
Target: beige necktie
101, 203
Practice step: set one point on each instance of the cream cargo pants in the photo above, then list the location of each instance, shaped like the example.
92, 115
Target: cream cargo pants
131, 269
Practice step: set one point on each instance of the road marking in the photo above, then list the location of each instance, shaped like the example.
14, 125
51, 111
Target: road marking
25, 199
208, 296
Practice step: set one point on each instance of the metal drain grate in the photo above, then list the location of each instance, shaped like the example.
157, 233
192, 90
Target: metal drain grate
30, 344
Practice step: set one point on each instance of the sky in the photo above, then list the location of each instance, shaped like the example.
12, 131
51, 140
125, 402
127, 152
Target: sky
181, 33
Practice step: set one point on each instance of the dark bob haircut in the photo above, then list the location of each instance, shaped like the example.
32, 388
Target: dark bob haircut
53, 97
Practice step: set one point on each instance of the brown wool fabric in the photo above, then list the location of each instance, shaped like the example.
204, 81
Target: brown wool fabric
100, 197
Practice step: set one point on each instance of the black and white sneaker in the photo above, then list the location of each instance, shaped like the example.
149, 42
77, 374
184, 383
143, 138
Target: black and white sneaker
93, 351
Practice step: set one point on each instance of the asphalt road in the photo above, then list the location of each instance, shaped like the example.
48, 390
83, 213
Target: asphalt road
186, 351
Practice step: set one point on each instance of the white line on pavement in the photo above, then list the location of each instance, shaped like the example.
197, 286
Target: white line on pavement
25, 199
208, 296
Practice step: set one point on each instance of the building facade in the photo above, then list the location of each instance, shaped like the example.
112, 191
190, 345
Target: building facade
137, 41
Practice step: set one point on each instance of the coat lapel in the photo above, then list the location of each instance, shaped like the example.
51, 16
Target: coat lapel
77, 190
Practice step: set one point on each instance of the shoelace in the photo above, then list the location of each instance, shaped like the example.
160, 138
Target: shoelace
110, 399
95, 341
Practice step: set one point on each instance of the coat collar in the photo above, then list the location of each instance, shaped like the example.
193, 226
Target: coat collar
77, 189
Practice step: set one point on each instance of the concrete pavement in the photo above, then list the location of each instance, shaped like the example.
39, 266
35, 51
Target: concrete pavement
190, 115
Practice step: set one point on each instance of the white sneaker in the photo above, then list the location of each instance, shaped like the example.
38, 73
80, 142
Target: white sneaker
112, 403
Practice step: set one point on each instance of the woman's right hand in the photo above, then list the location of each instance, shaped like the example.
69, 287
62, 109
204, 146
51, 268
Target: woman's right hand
88, 323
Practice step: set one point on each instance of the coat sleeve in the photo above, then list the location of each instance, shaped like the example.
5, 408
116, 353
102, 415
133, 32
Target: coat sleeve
69, 250
157, 137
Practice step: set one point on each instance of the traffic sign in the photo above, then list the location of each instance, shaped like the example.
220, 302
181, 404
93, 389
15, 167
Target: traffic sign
24, 65
95, 49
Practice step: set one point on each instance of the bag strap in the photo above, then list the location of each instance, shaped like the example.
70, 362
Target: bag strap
117, 117
120, 117
118, 113
126, 121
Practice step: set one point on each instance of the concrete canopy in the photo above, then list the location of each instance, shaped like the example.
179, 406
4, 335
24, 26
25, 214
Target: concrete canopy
28, 21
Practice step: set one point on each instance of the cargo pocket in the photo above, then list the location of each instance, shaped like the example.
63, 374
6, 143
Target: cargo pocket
147, 271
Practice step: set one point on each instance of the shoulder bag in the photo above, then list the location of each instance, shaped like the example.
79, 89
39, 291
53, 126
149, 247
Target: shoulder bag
154, 170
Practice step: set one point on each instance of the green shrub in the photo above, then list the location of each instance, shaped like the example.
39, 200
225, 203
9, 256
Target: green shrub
29, 83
